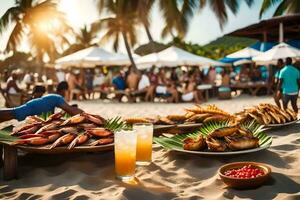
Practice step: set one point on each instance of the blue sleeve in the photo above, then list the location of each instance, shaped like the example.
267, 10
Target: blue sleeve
38, 106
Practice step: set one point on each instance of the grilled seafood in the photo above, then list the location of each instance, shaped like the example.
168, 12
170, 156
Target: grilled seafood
215, 144
198, 117
36, 141
99, 132
164, 121
194, 144
27, 136
53, 137
76, 119
177, 118
63, 140
51, 126
34, 119
29, 130
55, 116
68, 129
102, 141
23, 127
80, 139
94, 118
86, 126
216, 118
57, 131
225, 131
267, 114
134, 120
241, 142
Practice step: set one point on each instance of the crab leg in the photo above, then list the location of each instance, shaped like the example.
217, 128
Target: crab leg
99, 132
80, 139
102, 141
65, 139
36, 141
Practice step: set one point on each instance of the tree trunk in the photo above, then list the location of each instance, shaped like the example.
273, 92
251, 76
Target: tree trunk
128, 50
148, 33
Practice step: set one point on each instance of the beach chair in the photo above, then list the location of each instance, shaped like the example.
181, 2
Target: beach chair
224, 93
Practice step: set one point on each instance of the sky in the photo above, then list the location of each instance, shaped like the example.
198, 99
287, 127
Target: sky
204, 26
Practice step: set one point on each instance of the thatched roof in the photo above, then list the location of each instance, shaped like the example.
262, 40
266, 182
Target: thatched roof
271, 28
150, 47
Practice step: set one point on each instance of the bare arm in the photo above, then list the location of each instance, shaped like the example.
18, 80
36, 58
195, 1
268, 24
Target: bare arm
6, 115
279, 85
70, 109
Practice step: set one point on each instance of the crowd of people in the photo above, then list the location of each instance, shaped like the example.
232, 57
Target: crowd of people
171, 84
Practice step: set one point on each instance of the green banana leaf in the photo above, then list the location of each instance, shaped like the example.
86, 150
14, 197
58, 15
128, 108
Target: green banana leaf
176, 142
5, 134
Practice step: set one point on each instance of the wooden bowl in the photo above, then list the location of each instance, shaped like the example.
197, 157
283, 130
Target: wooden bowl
241, 183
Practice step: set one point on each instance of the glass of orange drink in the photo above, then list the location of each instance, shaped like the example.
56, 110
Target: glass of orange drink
125, 154
144, 133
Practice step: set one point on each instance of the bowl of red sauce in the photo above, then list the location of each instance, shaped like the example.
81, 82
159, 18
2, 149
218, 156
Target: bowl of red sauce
244, 175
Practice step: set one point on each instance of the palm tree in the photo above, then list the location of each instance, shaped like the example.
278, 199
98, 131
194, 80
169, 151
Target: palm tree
219, 8
283, 7
177, 15
122, 23
40, 21
84, 39
143, 14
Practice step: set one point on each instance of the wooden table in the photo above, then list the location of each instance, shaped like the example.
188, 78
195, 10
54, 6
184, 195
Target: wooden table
205, 88
10, 154
253, 87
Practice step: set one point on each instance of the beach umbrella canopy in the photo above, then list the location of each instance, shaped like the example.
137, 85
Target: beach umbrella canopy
279, 51
173, 57
242, 62
247, 52
93, 56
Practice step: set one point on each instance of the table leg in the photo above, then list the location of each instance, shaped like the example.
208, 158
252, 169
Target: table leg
1, 153
206, 95
9, 162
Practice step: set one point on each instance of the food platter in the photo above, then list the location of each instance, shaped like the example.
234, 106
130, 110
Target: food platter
268, 115
175, 143
209, 153
59, 134
282, 125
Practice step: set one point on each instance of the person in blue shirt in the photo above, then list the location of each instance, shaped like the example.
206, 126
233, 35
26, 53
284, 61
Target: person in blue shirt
289, 81
277, 93
40, 105
119, 82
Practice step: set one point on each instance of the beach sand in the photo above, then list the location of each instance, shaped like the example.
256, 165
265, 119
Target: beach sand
170, 176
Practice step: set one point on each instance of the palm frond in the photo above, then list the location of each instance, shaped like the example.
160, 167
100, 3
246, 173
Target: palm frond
266, 5
15, 37
115, 124
8, 17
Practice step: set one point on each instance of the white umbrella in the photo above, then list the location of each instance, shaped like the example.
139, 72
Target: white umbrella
247, 52
242, 61
279, 51
172, 57
93, 56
